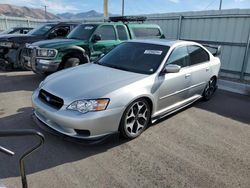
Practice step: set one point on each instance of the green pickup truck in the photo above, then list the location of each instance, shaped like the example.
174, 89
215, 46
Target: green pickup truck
85, 43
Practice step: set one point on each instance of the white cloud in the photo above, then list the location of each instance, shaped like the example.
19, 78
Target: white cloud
175, 1
57, 6
239, 1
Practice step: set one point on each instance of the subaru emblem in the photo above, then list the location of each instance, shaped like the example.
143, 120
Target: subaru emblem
48, 98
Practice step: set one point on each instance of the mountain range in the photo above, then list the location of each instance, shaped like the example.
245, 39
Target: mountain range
17, 11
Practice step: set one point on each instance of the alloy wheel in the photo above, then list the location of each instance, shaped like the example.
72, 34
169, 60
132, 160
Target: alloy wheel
137, 118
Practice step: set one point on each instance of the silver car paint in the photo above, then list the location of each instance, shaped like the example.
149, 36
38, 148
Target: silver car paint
167, 92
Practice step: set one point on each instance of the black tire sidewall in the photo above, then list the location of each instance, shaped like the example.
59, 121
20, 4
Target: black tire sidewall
205, 97
82, 60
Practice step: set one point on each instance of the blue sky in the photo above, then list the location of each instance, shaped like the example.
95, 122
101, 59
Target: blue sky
131, 6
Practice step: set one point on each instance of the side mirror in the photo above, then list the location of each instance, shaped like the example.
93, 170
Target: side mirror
218, 51
96, 38
172, 68
52, 35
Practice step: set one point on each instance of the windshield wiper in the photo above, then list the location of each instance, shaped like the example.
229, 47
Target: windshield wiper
98, 63
117, 67
74, 38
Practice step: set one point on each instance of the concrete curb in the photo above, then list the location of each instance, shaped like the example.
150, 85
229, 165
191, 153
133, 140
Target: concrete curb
234, 87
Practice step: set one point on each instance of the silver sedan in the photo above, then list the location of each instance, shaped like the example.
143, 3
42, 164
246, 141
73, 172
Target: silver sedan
135, 84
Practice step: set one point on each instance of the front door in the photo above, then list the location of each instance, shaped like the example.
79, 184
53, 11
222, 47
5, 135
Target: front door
108, 41
174, 87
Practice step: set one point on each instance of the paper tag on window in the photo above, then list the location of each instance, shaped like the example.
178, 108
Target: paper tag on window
88, 27
153, 52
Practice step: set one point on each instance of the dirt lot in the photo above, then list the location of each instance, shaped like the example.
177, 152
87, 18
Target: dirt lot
205, 145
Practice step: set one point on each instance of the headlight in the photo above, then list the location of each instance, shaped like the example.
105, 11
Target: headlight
84, 106
41, 84
7, 44
46, 52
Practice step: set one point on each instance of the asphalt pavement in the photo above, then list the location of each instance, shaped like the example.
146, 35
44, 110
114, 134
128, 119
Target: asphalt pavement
204, 145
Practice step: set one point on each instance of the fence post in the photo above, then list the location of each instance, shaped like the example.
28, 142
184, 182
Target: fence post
245, 60
6, 23
179, 27
28, 20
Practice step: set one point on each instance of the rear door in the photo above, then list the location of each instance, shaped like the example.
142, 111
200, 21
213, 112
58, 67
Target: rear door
122, 33
108, 41
200, 69
174, 87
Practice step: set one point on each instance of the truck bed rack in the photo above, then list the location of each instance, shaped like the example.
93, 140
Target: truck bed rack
127, 19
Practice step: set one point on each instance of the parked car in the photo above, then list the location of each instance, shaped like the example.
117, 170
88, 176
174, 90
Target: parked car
87, 41
11, 45
136, 83
16, 30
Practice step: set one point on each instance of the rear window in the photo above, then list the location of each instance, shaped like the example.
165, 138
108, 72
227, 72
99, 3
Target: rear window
197, 55
146, 32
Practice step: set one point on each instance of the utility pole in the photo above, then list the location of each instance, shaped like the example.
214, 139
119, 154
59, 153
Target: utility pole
122, 7
220, 4
45, 12
105, 8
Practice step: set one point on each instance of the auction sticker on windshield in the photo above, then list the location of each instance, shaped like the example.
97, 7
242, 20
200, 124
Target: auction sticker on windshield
153, 52
88, 27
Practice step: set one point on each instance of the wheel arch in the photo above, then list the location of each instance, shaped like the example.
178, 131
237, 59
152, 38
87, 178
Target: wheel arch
147, 98
73, 50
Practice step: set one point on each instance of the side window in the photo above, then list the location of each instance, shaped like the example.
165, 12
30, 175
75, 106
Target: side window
197, 55
146, 32
25, 31
179, 56
122, 34
107, 32
61, 31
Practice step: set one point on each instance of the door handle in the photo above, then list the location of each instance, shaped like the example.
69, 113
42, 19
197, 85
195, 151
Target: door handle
207, 69
187, 75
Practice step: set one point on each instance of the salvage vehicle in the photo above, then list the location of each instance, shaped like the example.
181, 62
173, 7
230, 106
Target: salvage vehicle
136, 83
11, 45
16, 30
86, 42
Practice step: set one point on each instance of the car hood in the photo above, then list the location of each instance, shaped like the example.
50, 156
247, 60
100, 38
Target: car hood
88, 81
57, 43
17, 37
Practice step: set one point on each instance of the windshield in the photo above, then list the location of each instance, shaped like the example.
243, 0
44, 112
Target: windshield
82, 32
135, 57
41, 30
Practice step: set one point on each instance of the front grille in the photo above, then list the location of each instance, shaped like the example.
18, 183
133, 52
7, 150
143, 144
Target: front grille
50, 99
27, 52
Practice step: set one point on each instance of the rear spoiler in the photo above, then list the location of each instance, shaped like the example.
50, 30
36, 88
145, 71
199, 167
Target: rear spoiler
215, 50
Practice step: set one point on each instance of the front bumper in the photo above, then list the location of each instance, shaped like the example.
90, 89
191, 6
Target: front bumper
88, 126
41, 65
9, 55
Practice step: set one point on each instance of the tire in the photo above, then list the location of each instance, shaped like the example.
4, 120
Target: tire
210, 89
135, 119
73, 60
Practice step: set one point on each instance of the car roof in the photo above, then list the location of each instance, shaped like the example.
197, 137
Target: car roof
59, 23
22, 27
165, 42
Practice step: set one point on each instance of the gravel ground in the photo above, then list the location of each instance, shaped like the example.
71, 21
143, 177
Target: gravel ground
205, 145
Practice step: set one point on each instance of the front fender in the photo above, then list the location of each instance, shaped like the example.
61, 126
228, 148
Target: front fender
70, 49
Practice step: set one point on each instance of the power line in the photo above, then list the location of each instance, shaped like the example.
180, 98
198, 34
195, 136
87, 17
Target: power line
212, 2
